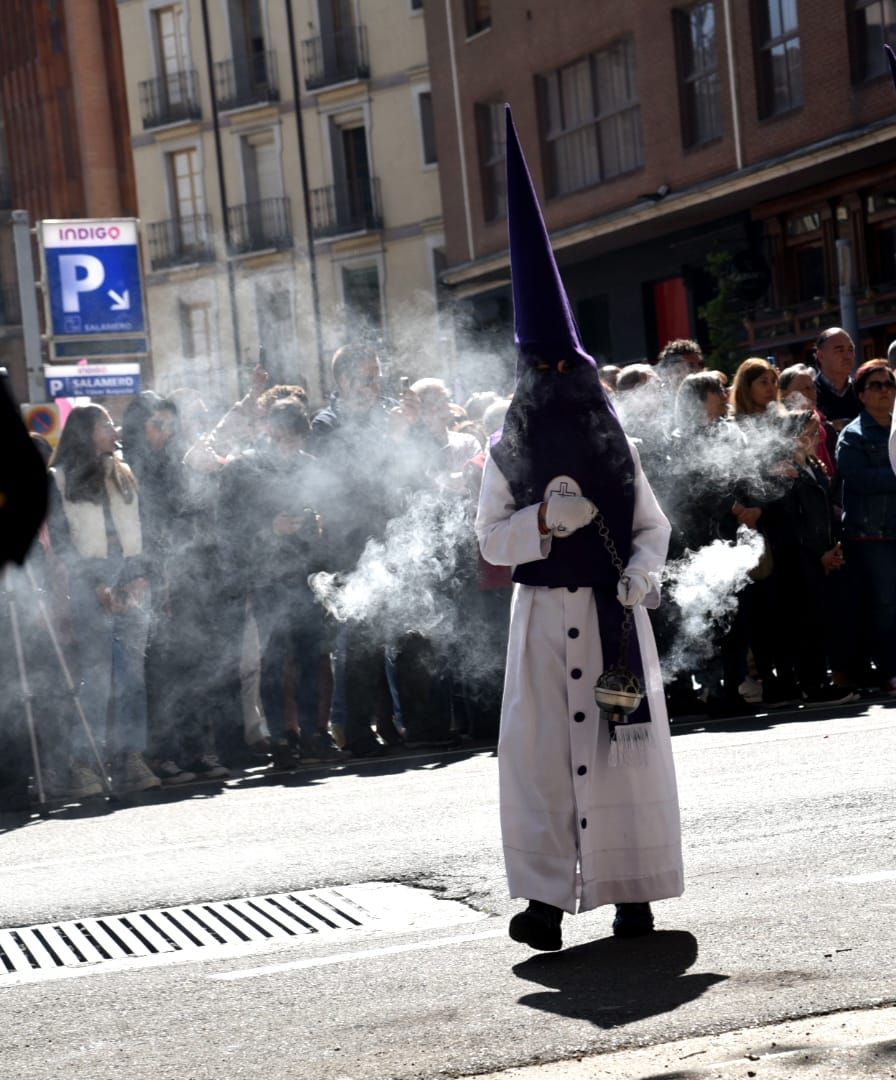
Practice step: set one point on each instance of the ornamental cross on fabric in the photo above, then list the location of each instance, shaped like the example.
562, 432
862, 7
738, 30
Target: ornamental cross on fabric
563, 489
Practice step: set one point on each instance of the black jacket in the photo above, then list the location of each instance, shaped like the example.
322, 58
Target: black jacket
367, 476
701, 485
255, 488
836, 406
803, 517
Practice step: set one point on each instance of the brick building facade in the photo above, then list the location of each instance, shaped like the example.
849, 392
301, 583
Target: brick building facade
658, 133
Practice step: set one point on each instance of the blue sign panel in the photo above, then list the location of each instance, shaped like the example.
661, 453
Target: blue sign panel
94, 283
91, 380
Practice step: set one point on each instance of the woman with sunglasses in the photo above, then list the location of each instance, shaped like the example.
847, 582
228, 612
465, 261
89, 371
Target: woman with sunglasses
869, 511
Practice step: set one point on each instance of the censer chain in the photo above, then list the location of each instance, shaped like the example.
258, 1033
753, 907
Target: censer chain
627, 621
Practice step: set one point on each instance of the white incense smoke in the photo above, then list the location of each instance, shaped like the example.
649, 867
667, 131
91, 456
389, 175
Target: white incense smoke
403, 582
705, 586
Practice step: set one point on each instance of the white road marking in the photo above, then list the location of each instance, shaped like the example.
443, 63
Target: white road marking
107, 855
348, 957
867, 879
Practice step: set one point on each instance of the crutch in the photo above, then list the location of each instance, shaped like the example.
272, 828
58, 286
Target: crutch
26, 690
72, 689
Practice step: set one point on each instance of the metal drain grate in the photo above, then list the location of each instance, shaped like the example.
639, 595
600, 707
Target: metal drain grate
223, 924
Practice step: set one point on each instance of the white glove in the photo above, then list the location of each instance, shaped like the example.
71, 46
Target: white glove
634, 585
566, 513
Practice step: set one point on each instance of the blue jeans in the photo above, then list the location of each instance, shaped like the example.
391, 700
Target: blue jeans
358, 727
111, 650
129, 633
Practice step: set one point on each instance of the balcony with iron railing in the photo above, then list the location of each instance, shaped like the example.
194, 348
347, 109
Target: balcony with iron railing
336, 58
346, 208
180, 241
248, 80
10, 308
171, 99
260, 226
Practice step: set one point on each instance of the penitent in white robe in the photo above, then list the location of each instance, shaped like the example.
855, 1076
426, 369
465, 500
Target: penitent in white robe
575, 829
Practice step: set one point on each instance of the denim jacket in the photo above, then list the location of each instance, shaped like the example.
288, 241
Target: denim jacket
869, 483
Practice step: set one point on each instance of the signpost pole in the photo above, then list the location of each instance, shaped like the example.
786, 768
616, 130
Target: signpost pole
849, 318
21, 232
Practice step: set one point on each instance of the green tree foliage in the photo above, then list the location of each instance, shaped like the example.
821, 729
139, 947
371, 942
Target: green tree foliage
723, 314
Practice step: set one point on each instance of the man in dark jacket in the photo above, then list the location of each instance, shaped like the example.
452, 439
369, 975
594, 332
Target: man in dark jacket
269, 502
352, 440
835, 355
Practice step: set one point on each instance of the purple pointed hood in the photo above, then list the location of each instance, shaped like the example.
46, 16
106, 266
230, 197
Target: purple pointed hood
544, 324
560, 425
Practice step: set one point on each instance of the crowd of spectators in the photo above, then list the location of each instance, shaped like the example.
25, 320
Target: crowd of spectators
177, 561
180, 555
796, 459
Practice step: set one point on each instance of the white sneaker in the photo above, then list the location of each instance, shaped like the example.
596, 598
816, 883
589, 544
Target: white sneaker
136, 775
751, 690
208, 767
83, 782
170, 773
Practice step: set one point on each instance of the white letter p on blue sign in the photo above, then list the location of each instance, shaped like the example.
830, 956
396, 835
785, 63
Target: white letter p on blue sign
93, 276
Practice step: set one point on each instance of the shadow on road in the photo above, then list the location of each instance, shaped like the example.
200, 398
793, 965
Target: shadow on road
255, 776
764, 721
612, 983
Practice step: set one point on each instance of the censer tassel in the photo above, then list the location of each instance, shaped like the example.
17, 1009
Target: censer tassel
629, 745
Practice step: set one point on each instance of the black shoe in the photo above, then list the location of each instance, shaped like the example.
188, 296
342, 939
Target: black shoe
685, 703
777, 694
830, 695
285, 756
391, 731
538, 927
367, 746
725, 708
434, 740
320, 747
632, 920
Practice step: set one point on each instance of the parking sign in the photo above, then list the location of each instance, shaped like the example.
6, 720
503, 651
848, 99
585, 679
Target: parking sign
91, 380
94, 284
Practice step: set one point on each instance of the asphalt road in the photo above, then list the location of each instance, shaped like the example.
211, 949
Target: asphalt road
790, 848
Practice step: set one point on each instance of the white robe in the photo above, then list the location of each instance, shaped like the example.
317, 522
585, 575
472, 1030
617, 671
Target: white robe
574, 828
